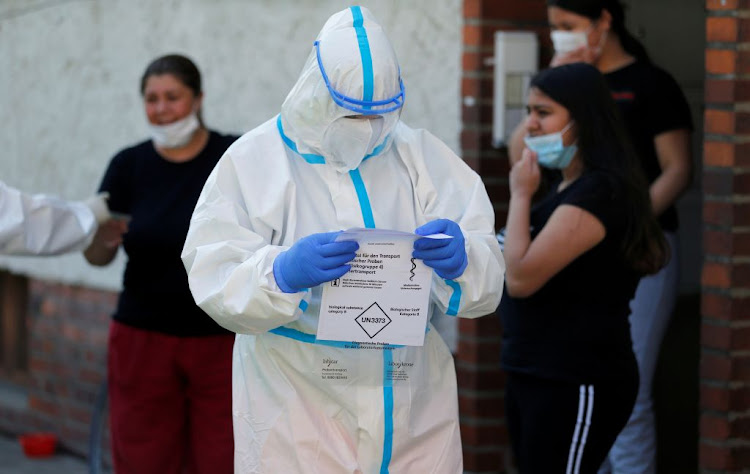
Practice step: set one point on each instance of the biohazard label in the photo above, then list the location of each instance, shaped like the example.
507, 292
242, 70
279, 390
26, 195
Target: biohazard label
373, 320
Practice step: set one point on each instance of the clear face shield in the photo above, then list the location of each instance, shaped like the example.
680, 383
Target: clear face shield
364, 107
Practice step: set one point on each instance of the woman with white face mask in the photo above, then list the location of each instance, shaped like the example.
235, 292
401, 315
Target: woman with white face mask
659, 124
169, 364
573, 261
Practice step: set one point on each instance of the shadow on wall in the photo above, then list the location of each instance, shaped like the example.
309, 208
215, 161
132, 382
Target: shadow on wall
676, 390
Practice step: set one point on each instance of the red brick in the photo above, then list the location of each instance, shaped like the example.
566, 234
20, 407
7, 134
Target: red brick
716, 367
44, 406
714, 398
472, 405
714, 427
479, 351
471, 139
740, 309
525, 11
718, 121
717, 243
716, 306
741, 276
722, 4
718, 213
716, 337
485, 326
480, 432
743, 30
713, 457
741, 369
718, 153
743, 62
741, 214
740, 427
716, 275
721, 61
481, 460
472, 61
472, 35
719, 91
470, 87
472, 9
489, 380
739, 398
742, 123
722, 29
718, 182
740, 340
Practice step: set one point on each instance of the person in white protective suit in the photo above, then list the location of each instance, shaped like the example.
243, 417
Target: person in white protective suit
262, 241
40, 224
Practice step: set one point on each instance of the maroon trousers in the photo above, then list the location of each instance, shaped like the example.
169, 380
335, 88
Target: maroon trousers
170, 402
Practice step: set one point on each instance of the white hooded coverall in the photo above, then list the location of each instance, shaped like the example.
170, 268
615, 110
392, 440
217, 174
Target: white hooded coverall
392, 409
38, 224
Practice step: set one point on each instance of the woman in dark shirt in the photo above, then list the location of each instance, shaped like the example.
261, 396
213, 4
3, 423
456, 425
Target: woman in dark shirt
572, 266
169, 363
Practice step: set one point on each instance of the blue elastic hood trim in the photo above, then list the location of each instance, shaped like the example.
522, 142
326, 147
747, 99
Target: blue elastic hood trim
309, 157
455, 300
378, 149
364, 200
364, 52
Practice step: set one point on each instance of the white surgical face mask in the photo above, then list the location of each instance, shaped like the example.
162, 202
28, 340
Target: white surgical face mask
550, 150
567, 41
175, 134
347, 141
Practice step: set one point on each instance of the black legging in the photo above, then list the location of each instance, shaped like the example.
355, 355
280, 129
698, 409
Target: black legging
564, 427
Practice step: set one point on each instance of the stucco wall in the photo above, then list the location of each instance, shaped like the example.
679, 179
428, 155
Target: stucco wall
70, 70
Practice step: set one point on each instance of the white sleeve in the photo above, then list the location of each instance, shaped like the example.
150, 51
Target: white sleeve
448, 188
44, 225
229, 259
478, 290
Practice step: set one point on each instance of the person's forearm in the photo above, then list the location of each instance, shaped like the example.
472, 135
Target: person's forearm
665, 190
99, 254
516, 145
517, 237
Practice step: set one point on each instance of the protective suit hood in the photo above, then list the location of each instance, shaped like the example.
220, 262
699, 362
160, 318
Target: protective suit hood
351, 58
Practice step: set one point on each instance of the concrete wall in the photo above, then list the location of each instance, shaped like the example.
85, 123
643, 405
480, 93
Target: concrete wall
69, 94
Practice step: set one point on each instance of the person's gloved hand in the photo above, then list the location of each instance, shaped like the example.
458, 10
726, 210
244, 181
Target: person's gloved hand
313, 260
446, 256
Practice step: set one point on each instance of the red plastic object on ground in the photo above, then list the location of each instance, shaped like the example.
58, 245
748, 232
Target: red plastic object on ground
38, 445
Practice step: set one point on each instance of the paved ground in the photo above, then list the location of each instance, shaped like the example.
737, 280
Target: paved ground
13, 461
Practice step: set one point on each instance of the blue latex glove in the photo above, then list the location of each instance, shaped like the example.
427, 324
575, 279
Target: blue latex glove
313, 260
446, 256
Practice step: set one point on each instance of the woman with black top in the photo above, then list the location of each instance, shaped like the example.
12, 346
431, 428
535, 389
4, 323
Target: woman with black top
169, 363
658, 120
572, 266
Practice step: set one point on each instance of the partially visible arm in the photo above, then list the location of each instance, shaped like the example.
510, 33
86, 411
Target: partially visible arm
675, 158
516, 145
569, 232
107, 240
46, 225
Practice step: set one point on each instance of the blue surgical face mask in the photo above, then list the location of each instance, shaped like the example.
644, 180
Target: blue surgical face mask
550, 151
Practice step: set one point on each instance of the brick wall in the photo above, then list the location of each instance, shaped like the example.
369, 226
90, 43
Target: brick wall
480, 380
67, 329
725, 333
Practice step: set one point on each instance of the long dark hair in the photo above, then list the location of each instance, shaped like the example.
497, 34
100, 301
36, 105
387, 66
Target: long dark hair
604, 146
592, 9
